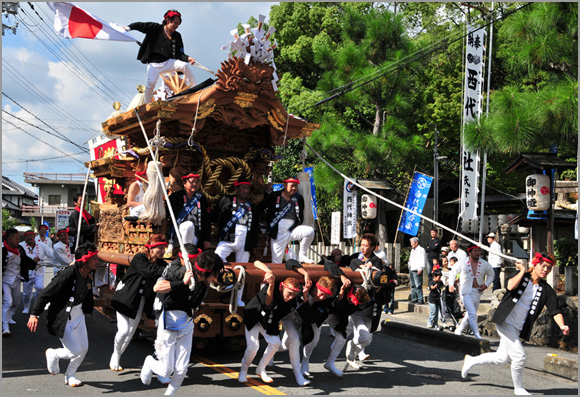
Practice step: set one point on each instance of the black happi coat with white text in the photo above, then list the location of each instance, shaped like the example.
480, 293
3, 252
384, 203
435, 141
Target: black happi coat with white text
547, 297
256, 311
138, 282
66, 285
181, 297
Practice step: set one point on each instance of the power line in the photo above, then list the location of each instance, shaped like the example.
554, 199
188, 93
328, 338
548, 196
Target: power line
96, 88
44, 142
31, 88
37, 118
49, 33
62, 137
41, 160
407, 60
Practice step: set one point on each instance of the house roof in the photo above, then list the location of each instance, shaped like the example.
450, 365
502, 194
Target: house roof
9, 187
9, 205
538, 162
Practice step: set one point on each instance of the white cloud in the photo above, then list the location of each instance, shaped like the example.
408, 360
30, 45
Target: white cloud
33, 72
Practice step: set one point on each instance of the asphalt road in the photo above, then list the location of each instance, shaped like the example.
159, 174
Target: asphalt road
397, 367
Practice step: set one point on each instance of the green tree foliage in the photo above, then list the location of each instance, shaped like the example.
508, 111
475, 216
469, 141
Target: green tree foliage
366, 130
537, 103
7, 220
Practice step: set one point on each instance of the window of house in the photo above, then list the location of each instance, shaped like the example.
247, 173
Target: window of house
54, 200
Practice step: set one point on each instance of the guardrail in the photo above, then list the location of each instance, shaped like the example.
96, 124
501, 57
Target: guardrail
39, 177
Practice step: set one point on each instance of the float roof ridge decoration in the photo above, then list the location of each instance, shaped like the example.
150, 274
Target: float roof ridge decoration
242, 98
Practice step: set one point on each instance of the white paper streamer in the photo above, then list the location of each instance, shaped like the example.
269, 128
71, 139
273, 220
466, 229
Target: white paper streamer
254, 45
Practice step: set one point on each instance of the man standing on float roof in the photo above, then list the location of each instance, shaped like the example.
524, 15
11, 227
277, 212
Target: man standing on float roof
162, 50
284, 218
192, 213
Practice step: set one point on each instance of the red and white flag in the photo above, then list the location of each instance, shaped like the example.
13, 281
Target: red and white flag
71, 22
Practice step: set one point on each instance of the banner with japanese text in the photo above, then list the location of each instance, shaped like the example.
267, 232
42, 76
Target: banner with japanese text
310, 171
415, 201
472, 107
349, 210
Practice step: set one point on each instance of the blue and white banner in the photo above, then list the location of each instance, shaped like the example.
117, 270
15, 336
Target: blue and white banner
310, 172
415, 201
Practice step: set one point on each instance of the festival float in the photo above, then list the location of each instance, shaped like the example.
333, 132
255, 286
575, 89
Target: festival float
221, 129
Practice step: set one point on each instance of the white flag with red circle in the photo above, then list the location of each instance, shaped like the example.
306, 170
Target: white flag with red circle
72, 22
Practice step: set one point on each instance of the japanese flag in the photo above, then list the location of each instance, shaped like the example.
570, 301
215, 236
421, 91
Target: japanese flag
71, 22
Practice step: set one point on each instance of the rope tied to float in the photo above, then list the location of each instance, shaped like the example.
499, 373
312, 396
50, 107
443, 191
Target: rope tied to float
367, 276
240, 283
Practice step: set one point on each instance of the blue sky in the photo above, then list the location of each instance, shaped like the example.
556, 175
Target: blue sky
73, 93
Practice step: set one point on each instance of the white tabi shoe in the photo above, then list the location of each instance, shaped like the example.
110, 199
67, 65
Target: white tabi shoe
333, 369
263, 375
243, 375
467, 364
304, 368
52, 361
521, 391
350, 357
146, 372
163, 380
72, 381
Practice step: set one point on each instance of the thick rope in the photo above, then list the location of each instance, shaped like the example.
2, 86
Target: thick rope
153, 198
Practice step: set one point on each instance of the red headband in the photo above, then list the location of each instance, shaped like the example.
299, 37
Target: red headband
324, 290
472, 247
140, 173
63, 231
87, 257
290, 180
190, 175
191, 256
152, 245
538, 258
352, 297
241, 183
289, 287
171, 14
29, 233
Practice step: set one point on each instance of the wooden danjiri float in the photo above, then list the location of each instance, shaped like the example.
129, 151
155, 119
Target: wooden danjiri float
222, 129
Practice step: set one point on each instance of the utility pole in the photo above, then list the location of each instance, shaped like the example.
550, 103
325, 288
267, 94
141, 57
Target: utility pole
9, 9
436, 159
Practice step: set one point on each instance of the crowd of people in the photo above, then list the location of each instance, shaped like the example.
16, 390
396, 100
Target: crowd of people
173, 293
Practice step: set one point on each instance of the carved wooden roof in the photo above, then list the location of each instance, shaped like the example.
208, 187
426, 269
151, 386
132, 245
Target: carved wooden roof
242, 99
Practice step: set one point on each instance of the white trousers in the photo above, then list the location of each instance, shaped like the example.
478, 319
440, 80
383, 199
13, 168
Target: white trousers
253, 345
339, 339
308, 348
291, 339
10, 300
471, 303
187, 231
137, 210
173, 348
75, 342
155, 69
126, 328
510, 348
36, 281
224, 249
360, 326
302, 233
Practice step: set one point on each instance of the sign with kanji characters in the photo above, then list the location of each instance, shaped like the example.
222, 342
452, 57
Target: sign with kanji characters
349, 210
415, 201
335, 228
310, 171
473, 87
